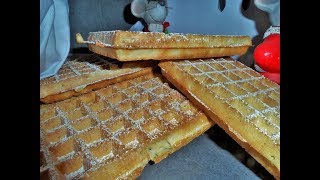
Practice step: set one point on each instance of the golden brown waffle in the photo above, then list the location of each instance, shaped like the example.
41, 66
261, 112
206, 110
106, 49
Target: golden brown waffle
243, 102
132, 46
85, 73
115, 131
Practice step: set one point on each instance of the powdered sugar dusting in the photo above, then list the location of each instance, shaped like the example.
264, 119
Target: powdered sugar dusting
75, 173
137, 39
103, 125
243, 90
87, 68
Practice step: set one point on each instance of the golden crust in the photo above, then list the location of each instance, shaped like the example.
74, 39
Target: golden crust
156, 40
162, 147
260, 146
129, 45
85, 74
165, 54
115, 131
90, 87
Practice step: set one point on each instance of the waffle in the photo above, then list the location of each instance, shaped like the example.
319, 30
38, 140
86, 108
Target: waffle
115, 131
85, 73
244, 103
131, 46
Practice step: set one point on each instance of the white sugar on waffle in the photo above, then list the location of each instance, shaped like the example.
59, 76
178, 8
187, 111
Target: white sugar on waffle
83, 134
79, 75
243, 102
78, 66
130, 39
133, 46
226, 76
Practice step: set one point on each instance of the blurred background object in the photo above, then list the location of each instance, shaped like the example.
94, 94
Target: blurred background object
272, 7
267, 54
54, 35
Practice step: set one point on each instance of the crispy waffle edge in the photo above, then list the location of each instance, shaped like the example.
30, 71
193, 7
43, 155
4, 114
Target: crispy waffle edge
155, 151
178, 77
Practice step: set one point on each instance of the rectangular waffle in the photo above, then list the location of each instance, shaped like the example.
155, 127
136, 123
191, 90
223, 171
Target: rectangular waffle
115, 131
131, 46
85, 73
243, 102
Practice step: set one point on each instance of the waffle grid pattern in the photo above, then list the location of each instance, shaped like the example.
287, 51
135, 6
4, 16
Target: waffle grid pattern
84, 133
243, 89
86, 64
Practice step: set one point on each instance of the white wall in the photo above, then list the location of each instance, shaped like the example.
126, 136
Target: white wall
203, 16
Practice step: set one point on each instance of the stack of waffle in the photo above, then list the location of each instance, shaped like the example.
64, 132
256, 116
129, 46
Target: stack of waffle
105, 119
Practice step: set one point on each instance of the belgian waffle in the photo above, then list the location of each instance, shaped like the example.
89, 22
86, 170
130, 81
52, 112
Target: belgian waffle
85, 73
115, 131
132, 46
244, 103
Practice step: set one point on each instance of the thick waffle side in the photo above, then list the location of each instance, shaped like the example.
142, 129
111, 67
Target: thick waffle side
165, 53
131, 46
84, 74
156, 40
205, 85
114, 131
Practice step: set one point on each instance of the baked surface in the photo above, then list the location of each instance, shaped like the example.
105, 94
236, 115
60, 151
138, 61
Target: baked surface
244, 103
131, 45
115, 131
84, 74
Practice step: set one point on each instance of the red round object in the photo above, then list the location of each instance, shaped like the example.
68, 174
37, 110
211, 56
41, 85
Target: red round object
272, 38
275, 77
267, 55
